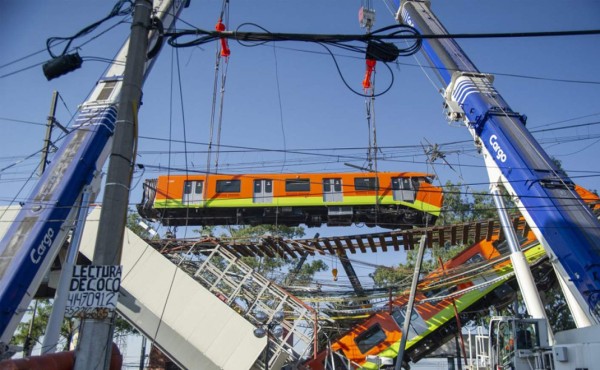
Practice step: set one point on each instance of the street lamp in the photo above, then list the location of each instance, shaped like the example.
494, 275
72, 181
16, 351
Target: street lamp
268, 328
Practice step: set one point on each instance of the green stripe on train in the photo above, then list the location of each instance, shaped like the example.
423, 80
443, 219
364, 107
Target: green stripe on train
294, 201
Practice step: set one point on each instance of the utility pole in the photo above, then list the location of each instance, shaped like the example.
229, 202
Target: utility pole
410, 304
95, 346
143, 353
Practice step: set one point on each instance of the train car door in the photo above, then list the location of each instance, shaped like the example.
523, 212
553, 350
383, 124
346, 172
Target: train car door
402, 189
263, 191
332, 190
192, 192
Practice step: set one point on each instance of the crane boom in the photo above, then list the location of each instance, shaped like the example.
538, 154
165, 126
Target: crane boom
544, 194
39, 230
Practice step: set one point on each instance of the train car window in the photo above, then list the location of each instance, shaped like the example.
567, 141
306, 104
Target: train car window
370, 338
297, 185
401, 183
416, 182
332, 185
192, 187
228, 186
475, 259
365, 183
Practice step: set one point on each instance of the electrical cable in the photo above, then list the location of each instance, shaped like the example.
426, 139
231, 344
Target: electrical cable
117, 10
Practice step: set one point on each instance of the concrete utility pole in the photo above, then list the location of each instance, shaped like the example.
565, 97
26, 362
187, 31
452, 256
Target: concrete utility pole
95, 345
410, 304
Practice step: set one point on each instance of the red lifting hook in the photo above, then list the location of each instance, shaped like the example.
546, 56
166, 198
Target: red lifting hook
225, 52
370, 68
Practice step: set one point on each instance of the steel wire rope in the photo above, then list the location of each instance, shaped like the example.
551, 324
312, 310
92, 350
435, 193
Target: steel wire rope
169, 141
215, 102
439, 89
184, 126
220, 119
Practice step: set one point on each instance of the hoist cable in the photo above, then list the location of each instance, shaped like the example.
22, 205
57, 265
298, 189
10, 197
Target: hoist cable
218, 98
222, 53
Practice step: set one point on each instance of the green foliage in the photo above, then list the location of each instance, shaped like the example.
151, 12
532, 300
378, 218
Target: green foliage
259, 231
133, 224
557, 310
67, 331
308, 271
456, 206
42, 315
401, 274
42, 312
460, 206
273, 268
265, 266
391, 276
206, 230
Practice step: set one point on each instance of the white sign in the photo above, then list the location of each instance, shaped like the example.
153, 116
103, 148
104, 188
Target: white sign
93, 291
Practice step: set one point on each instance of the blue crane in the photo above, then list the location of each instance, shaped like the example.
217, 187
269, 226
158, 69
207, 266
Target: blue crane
544, 193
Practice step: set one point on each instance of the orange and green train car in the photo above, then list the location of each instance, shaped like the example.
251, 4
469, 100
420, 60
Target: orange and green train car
386, 199
433, 318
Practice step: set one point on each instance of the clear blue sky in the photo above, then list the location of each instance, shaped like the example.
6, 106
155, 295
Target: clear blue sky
290, 96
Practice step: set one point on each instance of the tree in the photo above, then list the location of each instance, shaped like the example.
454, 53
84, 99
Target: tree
459, 206
135, 222
401, 274
38, 328
456, 206
559, 316
265, 266
308, 271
